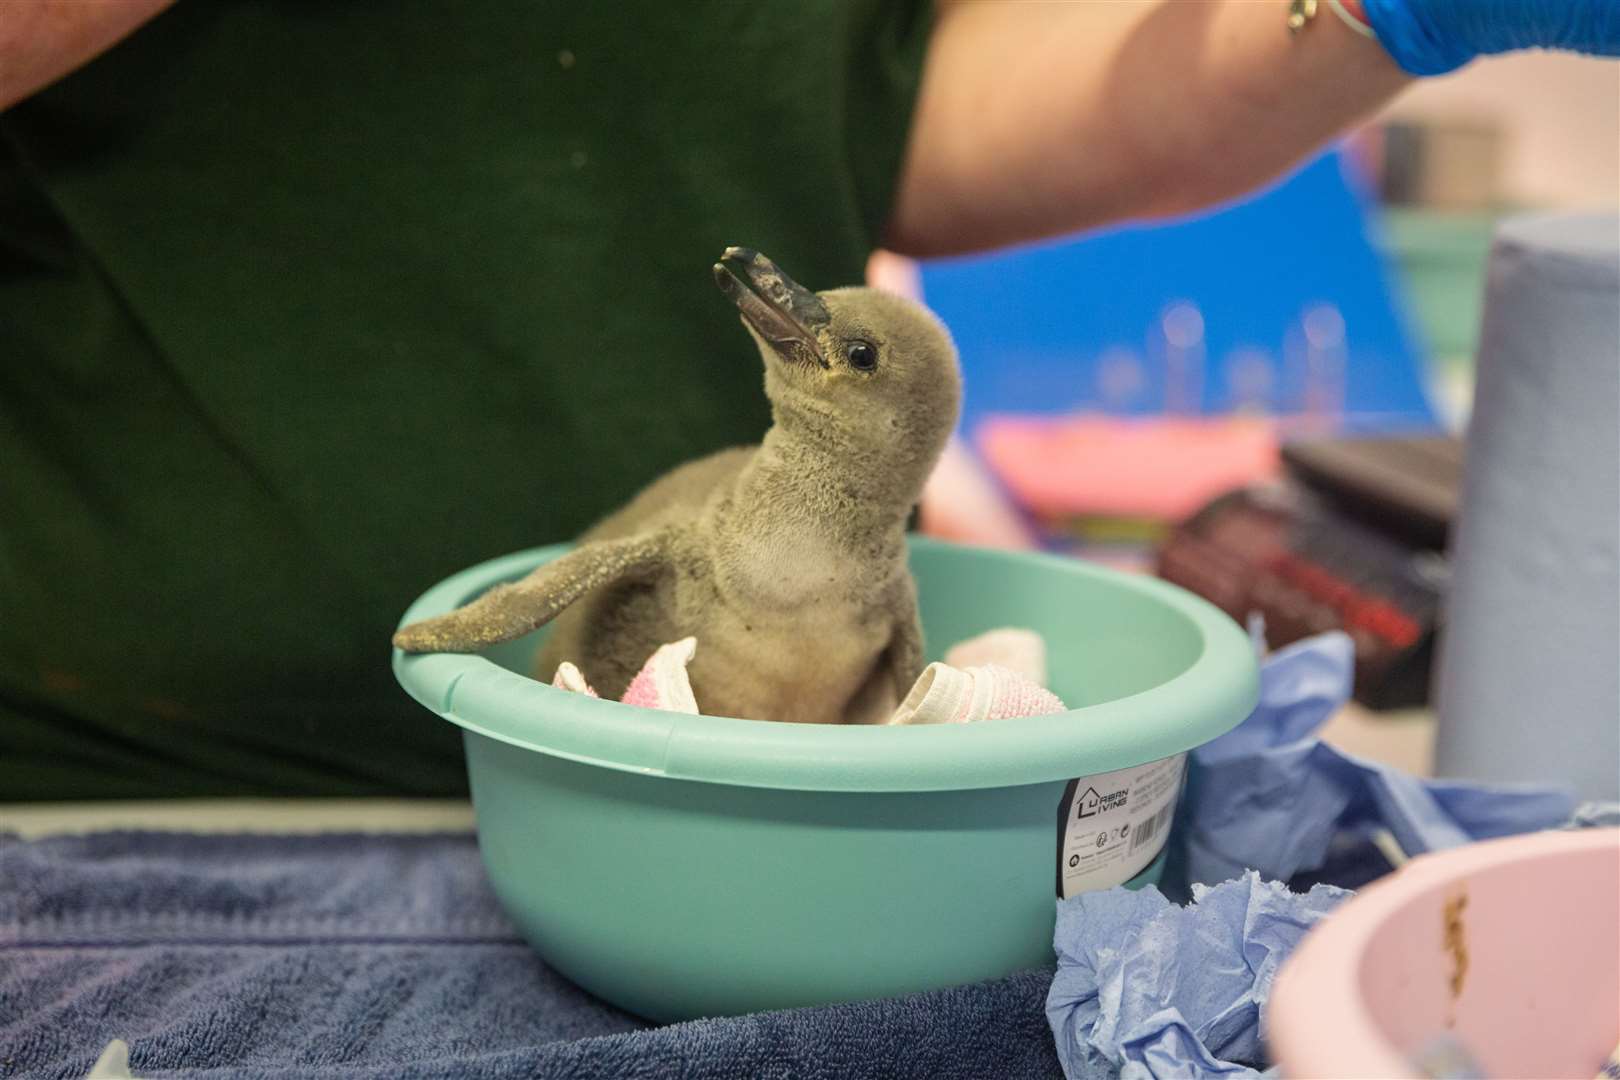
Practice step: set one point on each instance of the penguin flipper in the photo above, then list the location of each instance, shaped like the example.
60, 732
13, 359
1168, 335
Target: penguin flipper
512, 610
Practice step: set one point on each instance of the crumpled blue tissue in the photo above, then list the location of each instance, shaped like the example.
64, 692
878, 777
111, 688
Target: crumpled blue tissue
1270, 795
1145, 988
1148, 989
1595, 815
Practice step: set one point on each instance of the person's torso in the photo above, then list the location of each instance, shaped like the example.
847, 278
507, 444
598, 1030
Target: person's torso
304, 306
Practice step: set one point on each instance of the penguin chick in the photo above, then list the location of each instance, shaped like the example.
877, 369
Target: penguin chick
786, 560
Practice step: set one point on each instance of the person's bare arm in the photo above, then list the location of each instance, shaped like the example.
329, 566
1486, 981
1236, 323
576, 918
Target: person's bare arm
1042, 118
42, 40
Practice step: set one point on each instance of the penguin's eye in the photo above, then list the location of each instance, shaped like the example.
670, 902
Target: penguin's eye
862, 355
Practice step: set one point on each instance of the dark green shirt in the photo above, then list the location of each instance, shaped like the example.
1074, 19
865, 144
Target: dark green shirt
304, 306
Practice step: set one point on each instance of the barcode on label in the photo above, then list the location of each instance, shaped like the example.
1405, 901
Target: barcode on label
1146, 831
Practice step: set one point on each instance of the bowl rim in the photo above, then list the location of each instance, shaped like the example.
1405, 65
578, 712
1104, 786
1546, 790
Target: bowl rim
1318, 1019
1210, 697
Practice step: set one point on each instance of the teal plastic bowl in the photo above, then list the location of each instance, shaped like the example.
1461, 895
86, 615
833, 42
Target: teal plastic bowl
682, 866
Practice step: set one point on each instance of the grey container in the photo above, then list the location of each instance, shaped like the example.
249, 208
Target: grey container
1529, 685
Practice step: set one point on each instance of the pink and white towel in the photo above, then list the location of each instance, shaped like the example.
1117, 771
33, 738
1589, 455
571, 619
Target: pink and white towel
1007, 683
662, 682
1022, 651
946, 695
569, 677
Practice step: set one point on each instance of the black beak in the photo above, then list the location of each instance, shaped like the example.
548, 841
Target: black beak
780, 310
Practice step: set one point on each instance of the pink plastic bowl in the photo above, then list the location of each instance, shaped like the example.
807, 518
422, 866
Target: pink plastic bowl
1510, 947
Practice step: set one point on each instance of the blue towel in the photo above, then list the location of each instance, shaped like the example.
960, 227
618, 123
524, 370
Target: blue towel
388, 956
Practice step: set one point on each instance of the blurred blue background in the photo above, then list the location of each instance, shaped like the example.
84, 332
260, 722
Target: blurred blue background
1281, 304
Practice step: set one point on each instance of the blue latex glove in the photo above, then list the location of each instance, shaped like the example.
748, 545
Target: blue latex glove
1431, 37
1148, 990
1270, 795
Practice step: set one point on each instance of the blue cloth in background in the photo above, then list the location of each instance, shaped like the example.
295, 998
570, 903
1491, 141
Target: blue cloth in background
1249, 268
1270, 795
388, 956
1145, 988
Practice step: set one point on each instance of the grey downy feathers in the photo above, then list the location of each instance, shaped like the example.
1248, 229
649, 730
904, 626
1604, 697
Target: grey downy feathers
785, 560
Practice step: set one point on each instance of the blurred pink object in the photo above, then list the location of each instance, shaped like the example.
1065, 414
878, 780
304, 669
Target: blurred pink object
894, 273
1162, 468
962, 503
1020, 651
1506, 953
663, 683
948, 695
